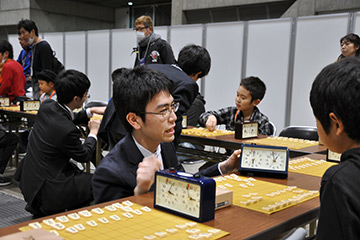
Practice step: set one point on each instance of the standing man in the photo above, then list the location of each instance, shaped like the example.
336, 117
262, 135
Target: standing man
25, 60
150, 47
49, 180
42, 54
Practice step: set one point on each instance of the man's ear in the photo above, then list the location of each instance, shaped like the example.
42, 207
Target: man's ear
337, 123
133, 120
51, 84
195, 76
256, 102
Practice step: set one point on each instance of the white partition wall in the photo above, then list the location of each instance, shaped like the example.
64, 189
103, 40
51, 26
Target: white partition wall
183, 35
56, 41
268, 49
224, 43
98, 65
75, 51
357, 23
317, 45
14, 41
162, 31
122, 44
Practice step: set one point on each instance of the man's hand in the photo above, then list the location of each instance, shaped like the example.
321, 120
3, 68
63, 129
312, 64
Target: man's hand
232, 163
145, 174
94, 125
211, 123
97, 110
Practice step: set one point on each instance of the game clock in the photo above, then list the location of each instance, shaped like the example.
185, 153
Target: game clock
267, 161
184, 194
333, 156
4, 102
30, 105
246, 130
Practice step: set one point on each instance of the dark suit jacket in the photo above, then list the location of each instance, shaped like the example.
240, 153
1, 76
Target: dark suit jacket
115, 177
185, 91
49, 182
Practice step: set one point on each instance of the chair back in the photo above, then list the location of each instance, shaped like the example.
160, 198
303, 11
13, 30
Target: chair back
303, 132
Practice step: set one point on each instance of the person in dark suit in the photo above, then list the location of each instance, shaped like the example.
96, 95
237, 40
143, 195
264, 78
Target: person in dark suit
145, 105
193, 63
49, 180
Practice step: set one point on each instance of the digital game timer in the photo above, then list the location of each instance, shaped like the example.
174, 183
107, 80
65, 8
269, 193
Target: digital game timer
184, 194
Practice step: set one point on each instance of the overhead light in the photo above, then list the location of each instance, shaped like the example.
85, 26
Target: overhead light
130, 3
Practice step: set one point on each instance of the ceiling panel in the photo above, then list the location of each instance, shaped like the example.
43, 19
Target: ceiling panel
122, 3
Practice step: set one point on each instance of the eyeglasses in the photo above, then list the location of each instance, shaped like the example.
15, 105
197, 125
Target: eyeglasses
167, 111
140, 28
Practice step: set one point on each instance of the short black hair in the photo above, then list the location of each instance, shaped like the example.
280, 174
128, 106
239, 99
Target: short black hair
69, 84
135, 88
193, 59
255, 86
47, 76
336, 89
6, 46
28, 25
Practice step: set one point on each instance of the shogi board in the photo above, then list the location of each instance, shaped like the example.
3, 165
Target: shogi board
309, 166
291, 143
204, 132
263, 196
153, 224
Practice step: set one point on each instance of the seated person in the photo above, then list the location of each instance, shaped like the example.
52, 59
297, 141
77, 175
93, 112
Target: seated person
46, 79
49, 181
335, 99
249, 94
12, 74
144, 103
8, 143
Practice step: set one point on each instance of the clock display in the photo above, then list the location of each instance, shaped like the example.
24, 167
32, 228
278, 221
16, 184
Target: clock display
184, 194
4, 101
267, 160
178, 195
250, 130
333, 156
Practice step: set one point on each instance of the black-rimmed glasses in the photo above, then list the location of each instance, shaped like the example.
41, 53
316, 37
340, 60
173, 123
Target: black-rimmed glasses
167, 111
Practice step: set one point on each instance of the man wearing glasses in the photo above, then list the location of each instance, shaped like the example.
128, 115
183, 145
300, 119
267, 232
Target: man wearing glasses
150, 47
147, 110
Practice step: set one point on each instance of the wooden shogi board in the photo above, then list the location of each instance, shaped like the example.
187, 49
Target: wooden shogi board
291, 143
262, 196
310, 166
126, 220
204, 132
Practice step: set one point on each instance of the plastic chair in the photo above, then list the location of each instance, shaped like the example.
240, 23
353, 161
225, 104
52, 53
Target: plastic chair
303, 132
274, 127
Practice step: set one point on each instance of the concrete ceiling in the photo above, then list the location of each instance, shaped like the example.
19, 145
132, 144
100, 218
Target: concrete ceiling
123, 3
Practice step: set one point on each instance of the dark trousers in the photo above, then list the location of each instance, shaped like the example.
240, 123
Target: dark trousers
8, 142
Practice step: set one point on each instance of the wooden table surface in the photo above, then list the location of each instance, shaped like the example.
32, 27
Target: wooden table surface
243, 223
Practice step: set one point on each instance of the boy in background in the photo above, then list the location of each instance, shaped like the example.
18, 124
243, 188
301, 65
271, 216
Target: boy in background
249, 94
47, 79
335, 101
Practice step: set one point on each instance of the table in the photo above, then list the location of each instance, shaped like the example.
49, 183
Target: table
240, 222
15, 123
14, 120
229, 142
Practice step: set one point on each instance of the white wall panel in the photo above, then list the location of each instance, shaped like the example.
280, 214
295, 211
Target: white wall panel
268, 58
14, 41
357, 23
184, 35
317, 45
98, 64
122, 43
75, 47
224, 43
56, 41
162, 31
